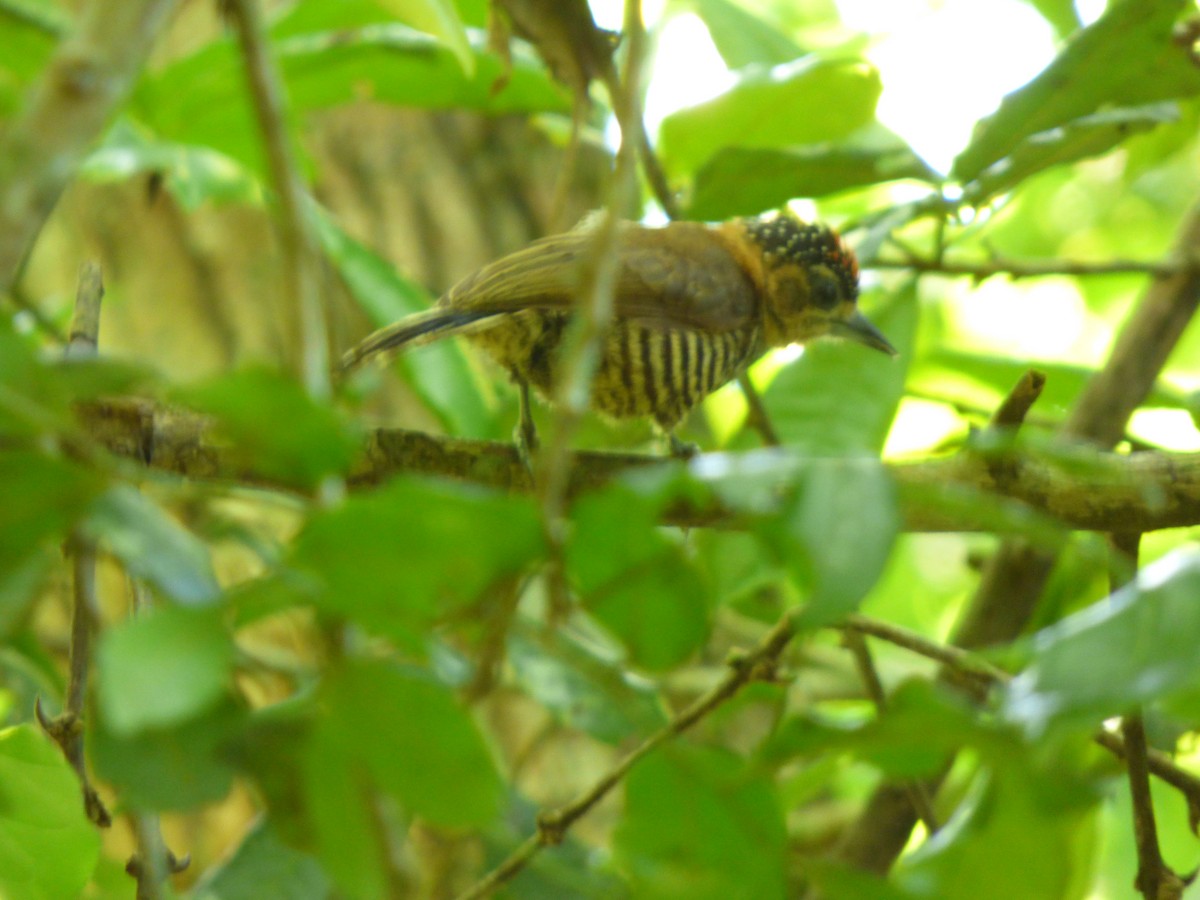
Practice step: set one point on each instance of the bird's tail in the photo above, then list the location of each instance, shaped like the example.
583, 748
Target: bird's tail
414, 331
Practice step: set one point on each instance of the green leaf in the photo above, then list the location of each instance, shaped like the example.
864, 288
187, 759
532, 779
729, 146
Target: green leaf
1012, 837
194, 175
810, 101
1080, 138
264, 866
344, 821
741, 181
698, 824
415, 740
48, 848
1143, 634
414, 550
163, 668
439, 18
1061, 14
742, 38
179, 767
315, 442
835, 533
153, 546
584, 689
43, 497
637, 581
440, 374
840, 398
1125, 58
201, 99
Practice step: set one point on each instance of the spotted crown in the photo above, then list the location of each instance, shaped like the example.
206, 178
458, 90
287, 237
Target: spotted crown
783, 238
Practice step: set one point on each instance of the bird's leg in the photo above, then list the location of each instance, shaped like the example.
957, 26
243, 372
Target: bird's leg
681, 449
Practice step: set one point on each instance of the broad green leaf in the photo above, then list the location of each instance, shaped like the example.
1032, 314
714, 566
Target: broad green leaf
1061, 14
48, 848
416, 741
636, 580
194, 175
344, 822
28, 32
584, 689
1143, 634
699, 824
202, 100
163, 668
311, 441
440, 373
152, 545
264, 866
742, 181
394, 560
839, 397
742, 38
43, 498
1011, 838
809, 101
178, 767
1080, 138
1126, 58
835, 532
439, 18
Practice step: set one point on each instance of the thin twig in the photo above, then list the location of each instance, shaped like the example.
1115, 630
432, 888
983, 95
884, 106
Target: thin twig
584, 341
1011, 413
757, 416
1029, 268
918, 794
296, 238
67, 729
757, 665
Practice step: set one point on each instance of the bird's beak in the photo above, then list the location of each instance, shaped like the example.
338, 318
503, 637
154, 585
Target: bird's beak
859, 329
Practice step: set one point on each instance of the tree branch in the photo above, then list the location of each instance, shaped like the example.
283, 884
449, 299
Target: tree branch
1029, 268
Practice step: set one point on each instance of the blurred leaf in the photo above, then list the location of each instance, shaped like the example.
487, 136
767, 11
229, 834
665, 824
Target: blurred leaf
810, 101
1061, 14
48, 848
743, 181
152, 545
1080, 138
1011, 838
1125, 58
415, 740
29, 32
312, 442
840, 881
839, 397
179, 767
1064, 381
634, 579
742, 38
43, 497
344, 820
439, 18
394, 560
440, 374
584, 689
835, 533
194, 175
699, 824
163, 668
263, 866
201, 99
1143, 633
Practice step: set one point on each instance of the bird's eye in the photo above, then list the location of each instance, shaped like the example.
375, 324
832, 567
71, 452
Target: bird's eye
825, 291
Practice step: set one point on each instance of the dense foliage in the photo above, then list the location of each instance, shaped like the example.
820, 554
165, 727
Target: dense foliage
342, 685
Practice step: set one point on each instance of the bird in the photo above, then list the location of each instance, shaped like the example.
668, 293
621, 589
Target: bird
694, 305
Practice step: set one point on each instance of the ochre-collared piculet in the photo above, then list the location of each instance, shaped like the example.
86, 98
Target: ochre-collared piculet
694, 305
